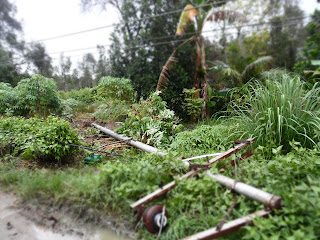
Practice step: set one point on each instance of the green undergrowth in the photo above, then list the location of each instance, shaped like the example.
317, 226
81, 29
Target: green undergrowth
195, 204
151, 122
37, 139
207, 137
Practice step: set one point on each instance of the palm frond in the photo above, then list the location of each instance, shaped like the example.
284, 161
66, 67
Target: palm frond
217, 65
164, 75
258, 65
229, 15
186, 17
224, 70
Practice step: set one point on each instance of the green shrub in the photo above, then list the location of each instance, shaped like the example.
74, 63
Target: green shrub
151, 122
8, 99
34, 138
37, 96
69, 107
280, 110
113, 111
85, 95
116, 89
193, 105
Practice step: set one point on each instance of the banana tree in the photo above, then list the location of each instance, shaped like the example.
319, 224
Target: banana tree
198, 17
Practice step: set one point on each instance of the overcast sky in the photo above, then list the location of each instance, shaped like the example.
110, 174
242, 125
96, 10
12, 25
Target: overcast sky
43, 19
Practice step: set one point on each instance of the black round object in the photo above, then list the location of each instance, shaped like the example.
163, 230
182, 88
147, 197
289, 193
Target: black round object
152, 218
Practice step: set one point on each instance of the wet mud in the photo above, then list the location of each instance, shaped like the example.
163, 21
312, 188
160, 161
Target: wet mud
31, 222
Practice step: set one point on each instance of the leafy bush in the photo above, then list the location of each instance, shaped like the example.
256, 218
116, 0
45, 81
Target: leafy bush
116, 88
129, 180
8, 99
85, 95
37, 96
193, 105
37, 139
151, 122
69, 107
113, 111
280, 110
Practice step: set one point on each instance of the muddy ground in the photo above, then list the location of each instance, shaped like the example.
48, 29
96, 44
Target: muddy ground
30, 222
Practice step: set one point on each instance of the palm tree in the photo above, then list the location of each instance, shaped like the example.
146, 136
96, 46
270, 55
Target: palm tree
239, 78
198, 17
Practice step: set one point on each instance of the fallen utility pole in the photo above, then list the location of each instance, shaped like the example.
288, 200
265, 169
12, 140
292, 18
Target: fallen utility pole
269, 200
201, 156
228, 227
166, 188
129, 141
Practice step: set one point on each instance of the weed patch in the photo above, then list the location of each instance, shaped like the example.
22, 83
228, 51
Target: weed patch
34, 138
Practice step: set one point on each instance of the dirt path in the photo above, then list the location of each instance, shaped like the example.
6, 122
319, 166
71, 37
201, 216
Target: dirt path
18, 223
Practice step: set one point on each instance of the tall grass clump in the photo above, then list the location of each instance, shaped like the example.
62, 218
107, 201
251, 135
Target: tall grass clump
281, 109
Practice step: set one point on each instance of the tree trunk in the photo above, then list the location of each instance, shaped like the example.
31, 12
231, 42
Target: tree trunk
200, 80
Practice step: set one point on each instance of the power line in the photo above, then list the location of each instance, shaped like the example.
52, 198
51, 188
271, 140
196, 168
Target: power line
175, 41
126, 22
187, 34
182, 40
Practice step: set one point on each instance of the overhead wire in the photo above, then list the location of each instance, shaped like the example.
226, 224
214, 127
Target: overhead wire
184, 39
126, 22
181, 40
174, 36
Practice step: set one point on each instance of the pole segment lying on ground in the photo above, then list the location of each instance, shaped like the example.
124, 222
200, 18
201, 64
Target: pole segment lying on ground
269, 200
163, 190
228, 227
201, 156
129, 141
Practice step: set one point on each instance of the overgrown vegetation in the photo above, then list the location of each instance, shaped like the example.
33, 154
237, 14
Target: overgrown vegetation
195, 204
116, 89
278, 108
34, 138
281, 109
206, 139
112, 111
35, 96
151, 122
